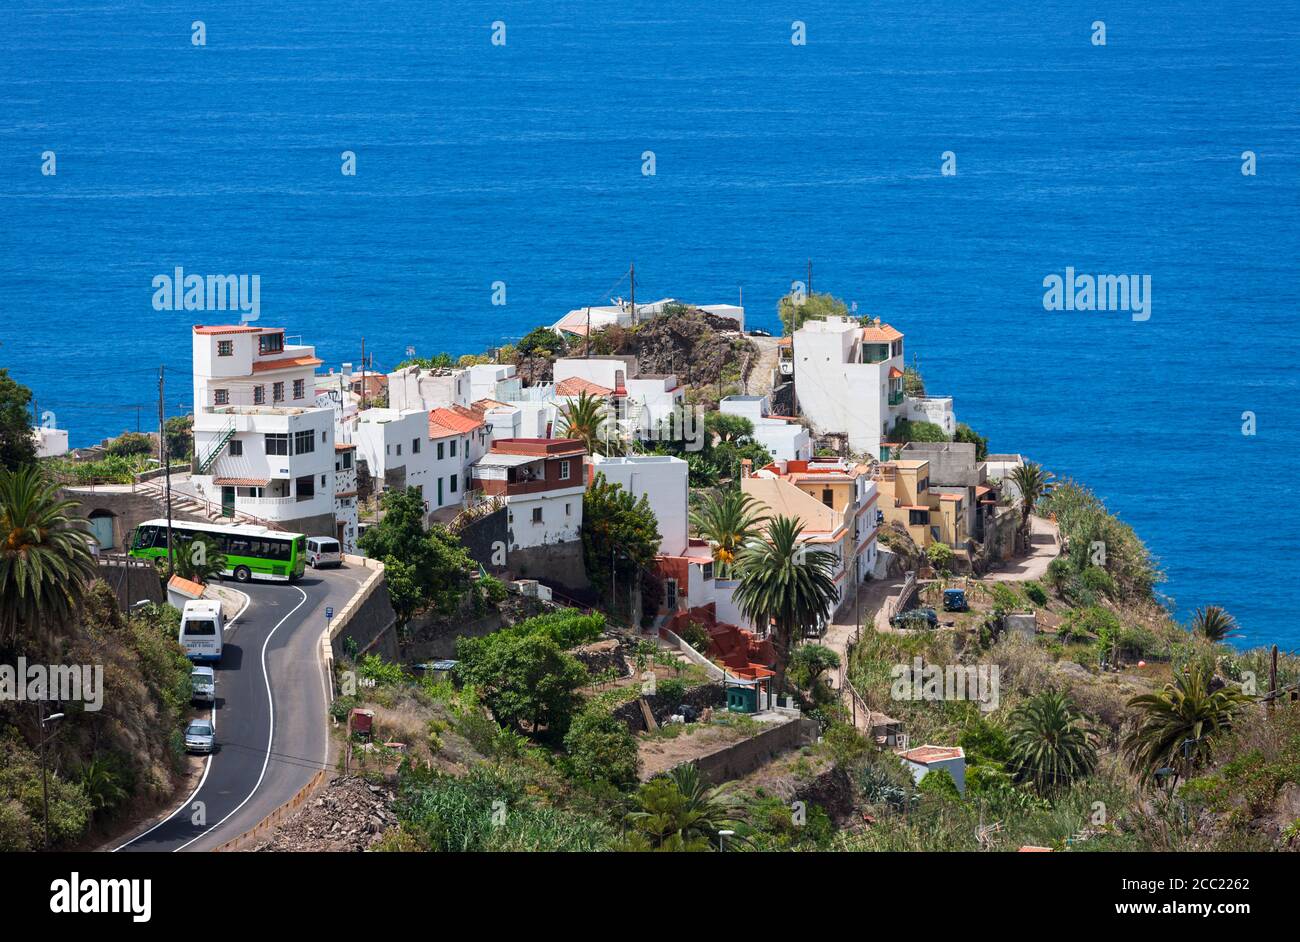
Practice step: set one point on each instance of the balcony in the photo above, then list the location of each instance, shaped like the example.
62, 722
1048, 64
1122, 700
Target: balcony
896, 398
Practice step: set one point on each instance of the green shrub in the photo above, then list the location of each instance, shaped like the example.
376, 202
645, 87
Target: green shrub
1035, 592
381, 673
939, 782
601, 747
671, 690
697, 636
1004, 599
1099, 581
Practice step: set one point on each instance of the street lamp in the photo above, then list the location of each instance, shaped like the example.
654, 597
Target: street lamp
722, 839
45, 785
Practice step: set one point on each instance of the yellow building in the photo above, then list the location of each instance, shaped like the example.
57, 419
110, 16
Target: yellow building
929, 516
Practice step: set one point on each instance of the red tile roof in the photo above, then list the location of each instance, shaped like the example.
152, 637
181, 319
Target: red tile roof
576, 386
225, 329
924, 755
241, 482
284, 363
186, 586
895, 372
881, 334
455, 421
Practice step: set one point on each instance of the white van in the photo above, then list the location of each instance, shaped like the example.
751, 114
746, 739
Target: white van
323, 551
201, 627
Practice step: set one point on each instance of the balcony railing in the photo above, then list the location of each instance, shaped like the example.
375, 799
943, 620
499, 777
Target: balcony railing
896, 398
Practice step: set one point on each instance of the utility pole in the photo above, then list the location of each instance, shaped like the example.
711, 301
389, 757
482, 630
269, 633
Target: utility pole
631, 275
45, 784
586, 344
363, 372
810, 277
167, 469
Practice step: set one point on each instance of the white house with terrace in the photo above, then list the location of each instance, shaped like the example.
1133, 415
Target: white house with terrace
262, 445
783, 436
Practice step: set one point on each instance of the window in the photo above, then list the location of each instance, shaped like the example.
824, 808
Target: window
670, 594
221, 397
277, 392
537, 515
399, 448
918, 518
259, 395
708, 571
277, 444
306, 487
270, 343
453, 448
304, 442
299, 388
225, 348
568, 509
323, 436
440, 447
236, 448
922, 485
415, 447
322, 480
347, 460
452, 486
564, 470
828, 497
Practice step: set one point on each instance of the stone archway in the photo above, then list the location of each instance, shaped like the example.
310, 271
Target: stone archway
103, 528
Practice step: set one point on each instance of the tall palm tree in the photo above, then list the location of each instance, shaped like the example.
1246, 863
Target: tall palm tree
45, 558
1178, 724
1214, 624
1052, 743
679, 812
1032, 481
728, 522
785, 585
585, 418
201, 559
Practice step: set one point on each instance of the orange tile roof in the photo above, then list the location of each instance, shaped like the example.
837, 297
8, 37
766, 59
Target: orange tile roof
284, 363
444, 422
950, 497
344, 446
485, 404
576, 386
186, 586
895, 372
924, 755
241, 482
882, 334
225, 329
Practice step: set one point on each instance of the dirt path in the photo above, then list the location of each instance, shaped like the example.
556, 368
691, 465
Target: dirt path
760, 375
871, 595
1045, 546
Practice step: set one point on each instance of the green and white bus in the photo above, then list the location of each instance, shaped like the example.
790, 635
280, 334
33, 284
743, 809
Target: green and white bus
252, 552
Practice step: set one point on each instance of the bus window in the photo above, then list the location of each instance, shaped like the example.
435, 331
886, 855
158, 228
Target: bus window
145, 536
200, 626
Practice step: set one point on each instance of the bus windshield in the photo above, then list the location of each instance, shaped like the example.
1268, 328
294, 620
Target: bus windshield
200, 626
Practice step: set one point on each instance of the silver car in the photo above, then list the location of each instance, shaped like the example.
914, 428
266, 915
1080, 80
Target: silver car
200, 736
203, 681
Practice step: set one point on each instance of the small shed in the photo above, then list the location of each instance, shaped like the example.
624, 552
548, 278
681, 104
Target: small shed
923, 760
883, 730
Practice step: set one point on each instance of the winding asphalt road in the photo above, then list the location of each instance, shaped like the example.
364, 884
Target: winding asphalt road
272, 699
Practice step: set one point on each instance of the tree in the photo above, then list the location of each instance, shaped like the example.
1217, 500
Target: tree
1177, 725
525, 680
808, 662
793, 312
618, 530
913, 384
728, 428
967, 434
728, 521
1214, 624
179, 430
905, 430
1032, 482
17, 443
541, 341
601, 748
941, 556
431, 569
785, 585
201, 560
1052, 743
45, 558
678, 812
131, 443
586, 419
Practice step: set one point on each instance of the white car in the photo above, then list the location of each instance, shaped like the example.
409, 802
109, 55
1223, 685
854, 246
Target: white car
323, 551
200, 736
203, 681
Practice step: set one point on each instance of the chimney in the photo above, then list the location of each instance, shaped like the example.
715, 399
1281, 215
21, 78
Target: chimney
746, 467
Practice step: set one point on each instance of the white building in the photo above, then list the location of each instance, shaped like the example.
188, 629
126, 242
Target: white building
923, 760
641, 402
493, 381
622, 314
345, 495
662, 480
541, 482
784, 437
405, 448
262, 445
417, 388
50, 442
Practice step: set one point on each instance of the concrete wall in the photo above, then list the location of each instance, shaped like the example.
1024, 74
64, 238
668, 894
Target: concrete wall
739, 759
438, 636
368, 617
131, 580
951, 463
128, 508
662, 480
483, 537
560, 563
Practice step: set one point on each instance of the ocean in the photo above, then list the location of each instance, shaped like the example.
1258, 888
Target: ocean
522, 163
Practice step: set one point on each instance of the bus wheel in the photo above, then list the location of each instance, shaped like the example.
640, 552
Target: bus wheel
242, 574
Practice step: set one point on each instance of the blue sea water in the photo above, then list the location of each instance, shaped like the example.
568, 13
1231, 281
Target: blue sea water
522, 163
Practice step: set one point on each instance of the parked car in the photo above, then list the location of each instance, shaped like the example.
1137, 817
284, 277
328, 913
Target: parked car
200, 736
759, 332
323, 551
954, 600
916, 618
203, 681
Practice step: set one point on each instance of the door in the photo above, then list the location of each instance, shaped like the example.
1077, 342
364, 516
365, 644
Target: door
439, 492
227, 501
101, 528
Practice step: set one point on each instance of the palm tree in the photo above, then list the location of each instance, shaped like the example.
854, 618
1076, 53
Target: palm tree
679, 812
201, 561
1178, 724
45, 558
1052, 743
1214, 624
784, 585
584, 418
728, 522
1032, 482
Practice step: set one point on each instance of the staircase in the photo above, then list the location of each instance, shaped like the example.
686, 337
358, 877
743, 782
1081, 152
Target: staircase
193, 506
207, 461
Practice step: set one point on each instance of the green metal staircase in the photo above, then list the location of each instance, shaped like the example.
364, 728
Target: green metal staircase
210, 458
